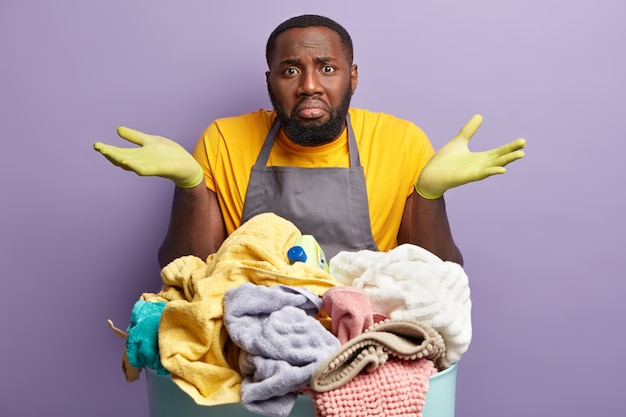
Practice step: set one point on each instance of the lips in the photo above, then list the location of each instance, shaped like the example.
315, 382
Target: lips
311, 109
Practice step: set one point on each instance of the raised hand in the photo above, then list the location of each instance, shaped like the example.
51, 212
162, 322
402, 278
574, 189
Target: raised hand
454, 164
156, 156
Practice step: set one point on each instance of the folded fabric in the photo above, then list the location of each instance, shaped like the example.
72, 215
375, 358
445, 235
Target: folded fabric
350, 311
396, 389
193, 342
281, 340
269, 385
410, 283
403, 339
142, 346
274, 321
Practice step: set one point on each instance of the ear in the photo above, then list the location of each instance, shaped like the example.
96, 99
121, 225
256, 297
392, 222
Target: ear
354, 77
267, 78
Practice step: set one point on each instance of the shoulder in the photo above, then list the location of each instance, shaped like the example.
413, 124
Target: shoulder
367, 123
258, 121
236, 135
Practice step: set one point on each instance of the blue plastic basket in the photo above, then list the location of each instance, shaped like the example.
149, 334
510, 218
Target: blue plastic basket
167, 400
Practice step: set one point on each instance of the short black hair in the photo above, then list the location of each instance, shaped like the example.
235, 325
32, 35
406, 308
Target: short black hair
305, 21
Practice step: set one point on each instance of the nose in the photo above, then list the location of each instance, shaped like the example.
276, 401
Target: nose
310, 83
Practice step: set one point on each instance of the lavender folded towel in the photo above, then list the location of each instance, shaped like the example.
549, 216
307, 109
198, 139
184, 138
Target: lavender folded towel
281, 340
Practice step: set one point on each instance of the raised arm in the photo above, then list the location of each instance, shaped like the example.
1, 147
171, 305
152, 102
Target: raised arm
425, 222
196, 225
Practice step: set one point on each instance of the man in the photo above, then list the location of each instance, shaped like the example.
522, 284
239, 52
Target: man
352, 178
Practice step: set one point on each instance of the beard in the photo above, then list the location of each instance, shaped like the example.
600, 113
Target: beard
314, 134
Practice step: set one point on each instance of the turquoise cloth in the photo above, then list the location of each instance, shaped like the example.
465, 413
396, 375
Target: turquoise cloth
142, 340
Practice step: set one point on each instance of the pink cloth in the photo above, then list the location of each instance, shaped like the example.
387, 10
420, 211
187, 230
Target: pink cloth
350, 311
396, 389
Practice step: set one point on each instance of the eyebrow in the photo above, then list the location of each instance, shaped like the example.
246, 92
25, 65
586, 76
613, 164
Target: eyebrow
319, 59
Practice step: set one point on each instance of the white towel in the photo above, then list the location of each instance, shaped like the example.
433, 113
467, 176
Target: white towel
411, 283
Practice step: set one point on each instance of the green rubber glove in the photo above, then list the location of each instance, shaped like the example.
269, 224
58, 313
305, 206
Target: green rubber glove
455, 165
156, 156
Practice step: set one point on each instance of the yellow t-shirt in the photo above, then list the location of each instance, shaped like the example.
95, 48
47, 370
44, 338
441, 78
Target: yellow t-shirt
393, 152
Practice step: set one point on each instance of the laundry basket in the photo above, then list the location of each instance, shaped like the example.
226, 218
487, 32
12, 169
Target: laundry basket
165, 399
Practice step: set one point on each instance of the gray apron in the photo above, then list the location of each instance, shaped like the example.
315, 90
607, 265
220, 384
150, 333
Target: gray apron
328, 203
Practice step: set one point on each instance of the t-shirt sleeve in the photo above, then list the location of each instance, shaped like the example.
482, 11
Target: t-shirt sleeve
205, 152
420, 151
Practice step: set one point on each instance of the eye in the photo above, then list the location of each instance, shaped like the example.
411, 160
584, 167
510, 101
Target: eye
328, 68
291, 71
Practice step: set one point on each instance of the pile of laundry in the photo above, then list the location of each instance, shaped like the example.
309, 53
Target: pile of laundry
245, 325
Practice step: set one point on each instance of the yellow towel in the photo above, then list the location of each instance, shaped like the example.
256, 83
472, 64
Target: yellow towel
193, 342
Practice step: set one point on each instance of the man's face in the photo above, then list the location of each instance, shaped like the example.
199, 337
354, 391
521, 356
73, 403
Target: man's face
310, 83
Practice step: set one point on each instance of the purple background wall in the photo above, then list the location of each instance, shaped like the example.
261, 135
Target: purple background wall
542, 244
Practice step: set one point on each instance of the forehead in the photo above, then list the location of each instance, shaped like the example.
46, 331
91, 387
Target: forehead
314, 41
